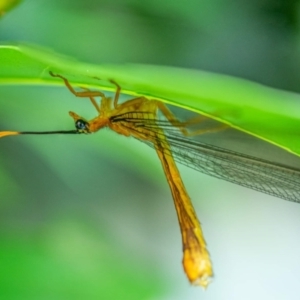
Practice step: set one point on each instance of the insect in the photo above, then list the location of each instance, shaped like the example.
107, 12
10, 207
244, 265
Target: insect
171, 140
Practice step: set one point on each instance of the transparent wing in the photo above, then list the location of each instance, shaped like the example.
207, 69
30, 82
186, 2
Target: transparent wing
261, 175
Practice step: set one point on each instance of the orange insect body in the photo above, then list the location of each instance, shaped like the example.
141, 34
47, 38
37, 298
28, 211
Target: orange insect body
196, 260
138, 118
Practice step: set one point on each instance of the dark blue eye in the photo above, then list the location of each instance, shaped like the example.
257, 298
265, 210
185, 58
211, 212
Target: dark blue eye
81, 125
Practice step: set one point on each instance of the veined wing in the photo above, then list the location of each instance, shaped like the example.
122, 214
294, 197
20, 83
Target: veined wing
245, 170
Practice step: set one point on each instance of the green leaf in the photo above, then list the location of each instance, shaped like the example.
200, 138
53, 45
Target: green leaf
267, 113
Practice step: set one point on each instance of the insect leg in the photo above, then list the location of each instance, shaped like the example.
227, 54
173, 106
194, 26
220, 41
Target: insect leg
182, 125
117, 93
83, 94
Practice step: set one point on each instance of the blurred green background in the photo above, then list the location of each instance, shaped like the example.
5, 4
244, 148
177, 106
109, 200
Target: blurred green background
92, 216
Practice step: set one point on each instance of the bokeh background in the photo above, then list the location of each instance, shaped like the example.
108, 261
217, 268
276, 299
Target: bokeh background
92, 216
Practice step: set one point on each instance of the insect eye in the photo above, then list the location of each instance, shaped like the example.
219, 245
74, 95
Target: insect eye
81, 125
